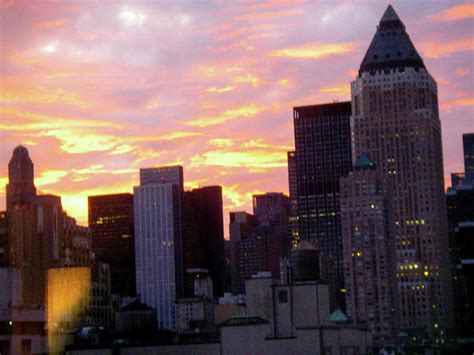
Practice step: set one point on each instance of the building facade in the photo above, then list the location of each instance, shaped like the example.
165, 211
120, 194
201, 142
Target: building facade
111, 227
21, 187
158, 253
271, 210
468, 146
293, 229
395, 121
207, 207
323, 155
368, 253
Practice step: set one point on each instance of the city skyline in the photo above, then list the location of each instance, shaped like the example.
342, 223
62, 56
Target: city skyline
94, 98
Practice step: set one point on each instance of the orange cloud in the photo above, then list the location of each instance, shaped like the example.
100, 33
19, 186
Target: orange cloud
338, 89
42, 96
218, 90
53, 23
252, 158
462, 71
463, 101
437, 49
228, 115
234, 198
458, 12
247, 79
315, 51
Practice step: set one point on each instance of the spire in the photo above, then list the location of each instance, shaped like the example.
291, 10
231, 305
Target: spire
390, 15
391, 47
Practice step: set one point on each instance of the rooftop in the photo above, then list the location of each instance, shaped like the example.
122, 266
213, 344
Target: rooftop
391, 47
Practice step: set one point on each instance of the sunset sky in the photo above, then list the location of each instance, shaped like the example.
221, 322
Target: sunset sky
98, 89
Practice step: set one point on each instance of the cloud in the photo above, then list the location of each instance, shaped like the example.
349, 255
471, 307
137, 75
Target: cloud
254, 81
315, 51
245, 111
455, 13
218, 90
461, 101
53, 23
440, 49
337, 89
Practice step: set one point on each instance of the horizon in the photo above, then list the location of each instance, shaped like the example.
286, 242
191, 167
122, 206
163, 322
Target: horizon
257, 64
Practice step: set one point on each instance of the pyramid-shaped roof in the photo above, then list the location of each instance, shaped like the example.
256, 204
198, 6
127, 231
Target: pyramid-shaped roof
339, 316
363, 162
391, 46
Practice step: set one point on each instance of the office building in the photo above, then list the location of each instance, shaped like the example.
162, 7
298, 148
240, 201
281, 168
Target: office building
396, 123
206, 242
293, 188
158, 249
111, 228
368, 251
162, 175
468, 146
322, 155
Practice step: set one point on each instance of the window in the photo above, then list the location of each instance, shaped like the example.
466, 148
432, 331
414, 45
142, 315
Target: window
283, 296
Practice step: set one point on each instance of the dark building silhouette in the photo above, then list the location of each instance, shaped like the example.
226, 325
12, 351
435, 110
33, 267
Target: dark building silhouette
468, 145
111, 226
21, 187
203, 235
395, 121
293, 189
322, 155
4, 242
271, 210
460, 206
457, 179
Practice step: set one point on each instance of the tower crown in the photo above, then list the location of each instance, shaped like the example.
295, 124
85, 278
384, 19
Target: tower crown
391, 47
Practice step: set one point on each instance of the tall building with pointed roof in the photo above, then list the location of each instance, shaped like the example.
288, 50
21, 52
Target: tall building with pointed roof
395, 121
21, 186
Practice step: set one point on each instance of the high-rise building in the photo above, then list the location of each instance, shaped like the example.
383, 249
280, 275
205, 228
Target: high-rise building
368, 253
323, 155
396, 123
468, 145
158, 249
460, 206
271, 210
293, 189
161, 175
208, 208
21, 186
4, 242
111, 227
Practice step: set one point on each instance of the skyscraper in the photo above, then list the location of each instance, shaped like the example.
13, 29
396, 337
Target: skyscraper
111, 226
21, 187
368, 253
161, 175
468, 145
293, 189
158, 250
322, 155
396, 123
208, 206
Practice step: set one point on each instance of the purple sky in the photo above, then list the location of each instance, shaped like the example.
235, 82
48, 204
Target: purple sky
96, 90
